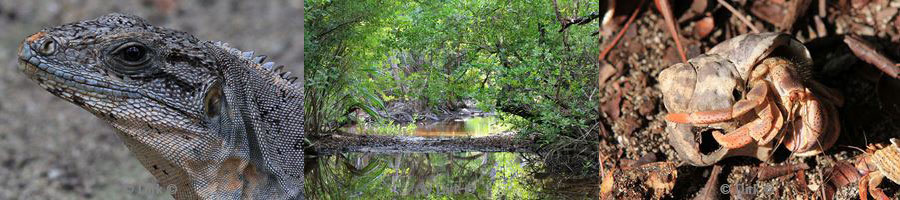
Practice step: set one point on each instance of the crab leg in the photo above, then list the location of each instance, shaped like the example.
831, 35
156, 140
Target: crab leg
869, 183
755, 98
749, 132
772, 113
863, 187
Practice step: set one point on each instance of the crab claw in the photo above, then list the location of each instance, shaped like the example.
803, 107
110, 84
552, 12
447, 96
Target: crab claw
816, 128
687, 144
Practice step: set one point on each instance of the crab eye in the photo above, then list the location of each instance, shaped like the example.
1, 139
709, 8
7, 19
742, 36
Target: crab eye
737, 95
132, 54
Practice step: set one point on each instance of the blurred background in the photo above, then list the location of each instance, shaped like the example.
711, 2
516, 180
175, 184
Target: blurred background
52, 149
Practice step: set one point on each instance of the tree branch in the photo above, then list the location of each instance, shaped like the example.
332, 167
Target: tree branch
337, 27
579, 21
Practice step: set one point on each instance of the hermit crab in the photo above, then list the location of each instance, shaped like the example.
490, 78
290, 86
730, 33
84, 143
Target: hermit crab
750, 93
878, 162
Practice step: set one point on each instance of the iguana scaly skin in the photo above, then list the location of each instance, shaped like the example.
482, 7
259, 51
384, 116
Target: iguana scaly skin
208, 121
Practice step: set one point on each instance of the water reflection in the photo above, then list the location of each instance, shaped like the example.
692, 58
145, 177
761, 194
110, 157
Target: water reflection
463, 175
471, 175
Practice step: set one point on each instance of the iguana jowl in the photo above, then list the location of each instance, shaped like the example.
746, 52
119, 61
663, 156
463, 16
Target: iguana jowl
207, 120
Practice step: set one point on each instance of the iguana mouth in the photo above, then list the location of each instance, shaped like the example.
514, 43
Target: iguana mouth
62, 83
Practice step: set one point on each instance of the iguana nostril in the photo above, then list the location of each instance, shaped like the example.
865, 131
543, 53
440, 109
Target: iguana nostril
47, 47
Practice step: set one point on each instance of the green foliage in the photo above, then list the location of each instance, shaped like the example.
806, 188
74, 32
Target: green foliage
512, 185
336, 71
506, 56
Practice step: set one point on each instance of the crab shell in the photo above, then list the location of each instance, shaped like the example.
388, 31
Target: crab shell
713, 81
887, 161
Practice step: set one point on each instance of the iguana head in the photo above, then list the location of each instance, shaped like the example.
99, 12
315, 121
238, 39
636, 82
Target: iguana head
170, 96
158, 86
126, 71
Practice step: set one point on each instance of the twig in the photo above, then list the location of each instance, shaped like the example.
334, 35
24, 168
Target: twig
579, 21
796, 10
666, 10
866, 52
599, 84
622, 32
710, 191
562, 22
739, 15
769, 172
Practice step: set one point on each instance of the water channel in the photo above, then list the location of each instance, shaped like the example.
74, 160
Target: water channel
460, 175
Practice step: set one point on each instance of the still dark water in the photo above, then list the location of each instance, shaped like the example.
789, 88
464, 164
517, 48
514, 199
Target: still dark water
462, 175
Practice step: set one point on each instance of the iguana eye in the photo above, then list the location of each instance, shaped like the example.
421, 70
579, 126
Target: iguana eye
132, 54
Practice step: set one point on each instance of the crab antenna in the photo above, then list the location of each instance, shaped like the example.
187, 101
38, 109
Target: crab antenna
865, 138
853, 147
819, 143
777, 144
